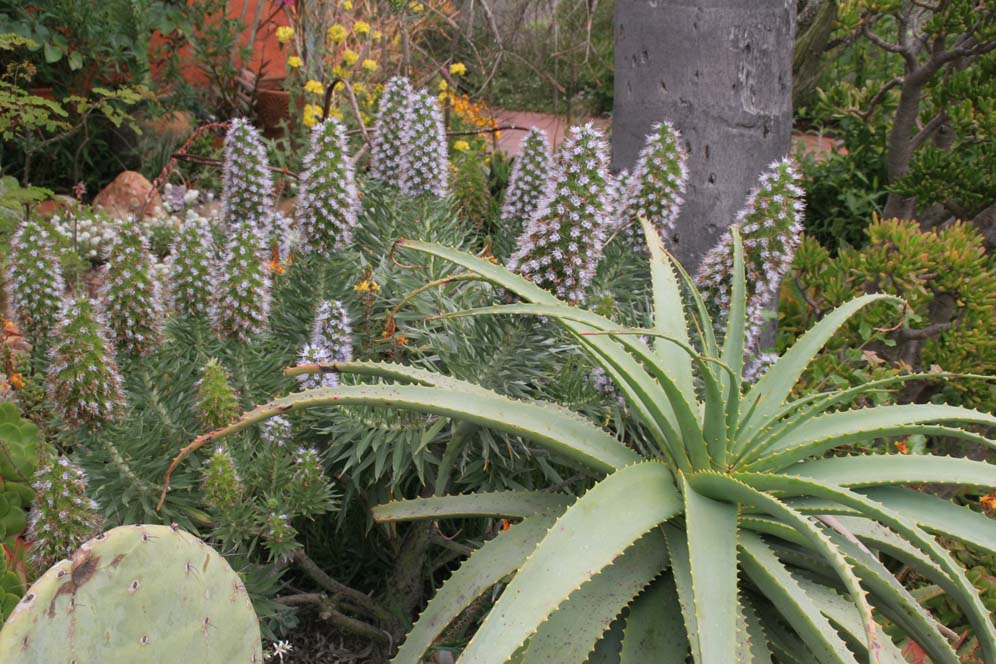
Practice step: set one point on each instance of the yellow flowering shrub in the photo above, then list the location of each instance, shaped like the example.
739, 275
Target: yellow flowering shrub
350, 57
312, 114
458, 69
314, 87
337, 32
370, 65
294, 62
361, 27
461, 146
284, 34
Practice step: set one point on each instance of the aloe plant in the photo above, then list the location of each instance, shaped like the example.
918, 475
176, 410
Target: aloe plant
738, 538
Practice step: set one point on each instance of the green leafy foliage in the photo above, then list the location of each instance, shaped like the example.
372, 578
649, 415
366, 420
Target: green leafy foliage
947, 280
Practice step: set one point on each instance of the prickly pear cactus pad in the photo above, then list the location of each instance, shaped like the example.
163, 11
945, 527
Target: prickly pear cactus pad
135, 594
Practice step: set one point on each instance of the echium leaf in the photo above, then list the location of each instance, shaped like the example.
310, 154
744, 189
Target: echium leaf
133, 308
562, 243
243, 289
656, 187
83, 380
528, 181
387, 146
62, 516
247, 186
331, 341
424, 165
771, 227
328, 203
36, 280
191, 268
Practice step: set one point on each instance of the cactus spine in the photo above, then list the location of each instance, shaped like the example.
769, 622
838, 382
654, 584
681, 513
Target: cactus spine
161, 595
36, 280
328, 203
131, 295
562, 243
83, 380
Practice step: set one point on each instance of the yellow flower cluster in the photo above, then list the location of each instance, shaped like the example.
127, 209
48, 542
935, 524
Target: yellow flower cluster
294, 62
337, 32
416, 7
475, 113
461, 146
458, 69
369, 65
361, 27
367, 286
314, 87
312, 114
284, 34
347, 5
350, 57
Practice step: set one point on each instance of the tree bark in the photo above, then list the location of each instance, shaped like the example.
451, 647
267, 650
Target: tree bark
721, 71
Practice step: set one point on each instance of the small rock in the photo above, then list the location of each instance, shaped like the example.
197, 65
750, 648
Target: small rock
124, 197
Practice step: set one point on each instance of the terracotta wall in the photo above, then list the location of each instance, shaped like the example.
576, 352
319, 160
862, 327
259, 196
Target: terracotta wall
266, 49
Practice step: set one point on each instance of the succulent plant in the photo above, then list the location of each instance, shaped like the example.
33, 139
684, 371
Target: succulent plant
242, 304
562, 243
424, 163
192, 268
35, 280
216, 404
20, 448
221, 484
151, 593
62, 516
529, 180
328, 202
734, 537
655, 188
247, 185
82, 379
132, 304
771, 226
389, 142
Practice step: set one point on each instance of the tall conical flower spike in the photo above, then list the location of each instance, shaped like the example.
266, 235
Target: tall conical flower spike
83, 380
328, 203
247, 185
424, 165
191, 268
131, 294
331, 341
771, 227
36, 280
215, 404
62, 516
656, 187
562, 244
388, 144
529, 180
243, 290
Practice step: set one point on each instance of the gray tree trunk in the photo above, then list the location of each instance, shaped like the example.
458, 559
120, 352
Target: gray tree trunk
721, 71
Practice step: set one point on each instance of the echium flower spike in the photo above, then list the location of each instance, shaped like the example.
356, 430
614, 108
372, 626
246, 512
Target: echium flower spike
220, 483
243, 291
528, 181
191, 269
562, 243
328, 202
771, 227
387, 147
83, 380
215, 404
131, 294
62, 516
247, 185
331, 341
36, 280
424, 164
656, 187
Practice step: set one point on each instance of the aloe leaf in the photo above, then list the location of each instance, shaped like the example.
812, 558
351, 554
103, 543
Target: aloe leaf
654, 629
786, 645
964, 592
776, 583
663, 398
496, 559
669, 313
742, 488
735, 338
514, 504
620, 509
752, 641
768, 394
890, 469
389, 370
681, 571
939, 515
849, 426
711, 527
555, 428
573, 630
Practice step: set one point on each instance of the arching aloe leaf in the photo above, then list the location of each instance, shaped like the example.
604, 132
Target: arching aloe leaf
499, 503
